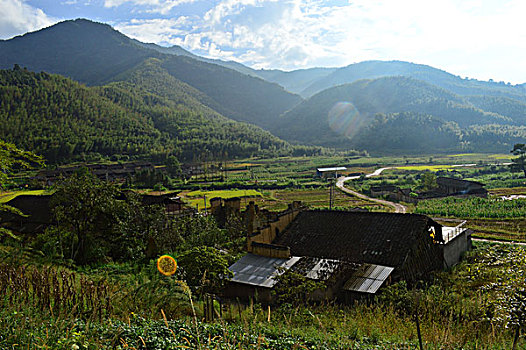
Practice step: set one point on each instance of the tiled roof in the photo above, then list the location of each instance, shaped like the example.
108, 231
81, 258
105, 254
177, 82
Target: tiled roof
456, 182
376, 238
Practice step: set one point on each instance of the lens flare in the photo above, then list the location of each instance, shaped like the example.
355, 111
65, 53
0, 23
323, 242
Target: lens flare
166, 265
345, 119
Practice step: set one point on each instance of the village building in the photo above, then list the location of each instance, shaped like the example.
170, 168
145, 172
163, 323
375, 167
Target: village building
354, 253
108, 172
330, 172
446, 186
452, 186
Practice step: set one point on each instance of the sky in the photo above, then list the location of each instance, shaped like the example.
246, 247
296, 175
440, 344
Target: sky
481, 39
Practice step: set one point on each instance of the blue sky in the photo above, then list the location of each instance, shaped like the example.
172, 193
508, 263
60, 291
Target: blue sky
483, 39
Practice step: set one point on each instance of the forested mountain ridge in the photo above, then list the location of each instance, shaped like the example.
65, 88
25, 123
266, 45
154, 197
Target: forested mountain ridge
438, 77
64, 120
402, 114
89, 52
96, 54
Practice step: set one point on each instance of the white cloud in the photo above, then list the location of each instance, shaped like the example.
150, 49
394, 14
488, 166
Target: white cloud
18, 17
162, 7
160, 31
466, 37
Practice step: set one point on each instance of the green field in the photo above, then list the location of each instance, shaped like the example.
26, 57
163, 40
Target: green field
425, 167
7, 196
196, 199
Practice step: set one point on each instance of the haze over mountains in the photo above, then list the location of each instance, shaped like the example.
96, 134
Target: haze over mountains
179, 103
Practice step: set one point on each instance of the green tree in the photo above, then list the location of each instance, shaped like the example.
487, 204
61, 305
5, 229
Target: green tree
84, 208
519, 163
293, 287
205, 269
428, 181
95, 220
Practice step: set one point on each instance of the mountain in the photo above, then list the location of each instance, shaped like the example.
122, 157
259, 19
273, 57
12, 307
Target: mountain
377, 69
179, 51
95, 54
64, 121
405, 113
297, 80
89, 52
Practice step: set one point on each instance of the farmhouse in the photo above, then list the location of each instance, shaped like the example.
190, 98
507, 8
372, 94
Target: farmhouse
37, 211
108, 172
452, 186
354, 253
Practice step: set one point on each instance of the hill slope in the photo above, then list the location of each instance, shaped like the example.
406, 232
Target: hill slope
407, 114
85, 51
95, 54
377, 69
63, 120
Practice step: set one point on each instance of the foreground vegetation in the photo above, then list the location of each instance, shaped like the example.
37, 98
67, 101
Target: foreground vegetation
476, 305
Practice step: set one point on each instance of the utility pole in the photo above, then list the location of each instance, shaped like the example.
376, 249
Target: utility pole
331, 193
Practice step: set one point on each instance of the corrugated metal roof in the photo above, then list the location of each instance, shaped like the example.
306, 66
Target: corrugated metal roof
260, 270
368, 278
339, 168
323, 269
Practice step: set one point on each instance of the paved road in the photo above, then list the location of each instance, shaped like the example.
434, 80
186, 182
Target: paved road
399, 208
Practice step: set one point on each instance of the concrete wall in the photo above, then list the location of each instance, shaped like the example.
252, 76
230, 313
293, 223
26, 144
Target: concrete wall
455, 248
270, 250
245, 292
268, 233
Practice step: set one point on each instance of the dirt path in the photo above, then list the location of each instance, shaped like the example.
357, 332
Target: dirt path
399, 208
497, 241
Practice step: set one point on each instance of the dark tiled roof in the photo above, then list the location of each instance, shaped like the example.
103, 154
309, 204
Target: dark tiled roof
376, 238
390, 188
36, 208
456, 182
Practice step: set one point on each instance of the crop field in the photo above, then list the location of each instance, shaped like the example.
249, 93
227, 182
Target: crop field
277, 200
426, 167
314, 198
473, 207
196, 199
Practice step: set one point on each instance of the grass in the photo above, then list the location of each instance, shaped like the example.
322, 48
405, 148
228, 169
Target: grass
196, 198
7, 196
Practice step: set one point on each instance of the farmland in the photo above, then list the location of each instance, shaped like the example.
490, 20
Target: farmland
49, 301
473, 207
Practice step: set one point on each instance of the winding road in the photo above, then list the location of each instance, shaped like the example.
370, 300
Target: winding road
399, 208
340, 183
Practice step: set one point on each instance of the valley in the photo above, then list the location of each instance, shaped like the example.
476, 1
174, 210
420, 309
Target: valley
337, 185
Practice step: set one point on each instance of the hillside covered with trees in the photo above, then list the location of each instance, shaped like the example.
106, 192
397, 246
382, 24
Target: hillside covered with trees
401, 115
64, 120
166, 100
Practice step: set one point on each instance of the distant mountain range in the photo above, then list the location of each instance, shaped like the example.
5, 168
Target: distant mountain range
192, 104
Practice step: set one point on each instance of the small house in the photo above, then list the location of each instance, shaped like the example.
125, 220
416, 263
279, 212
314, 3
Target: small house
355, 253
452, 186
